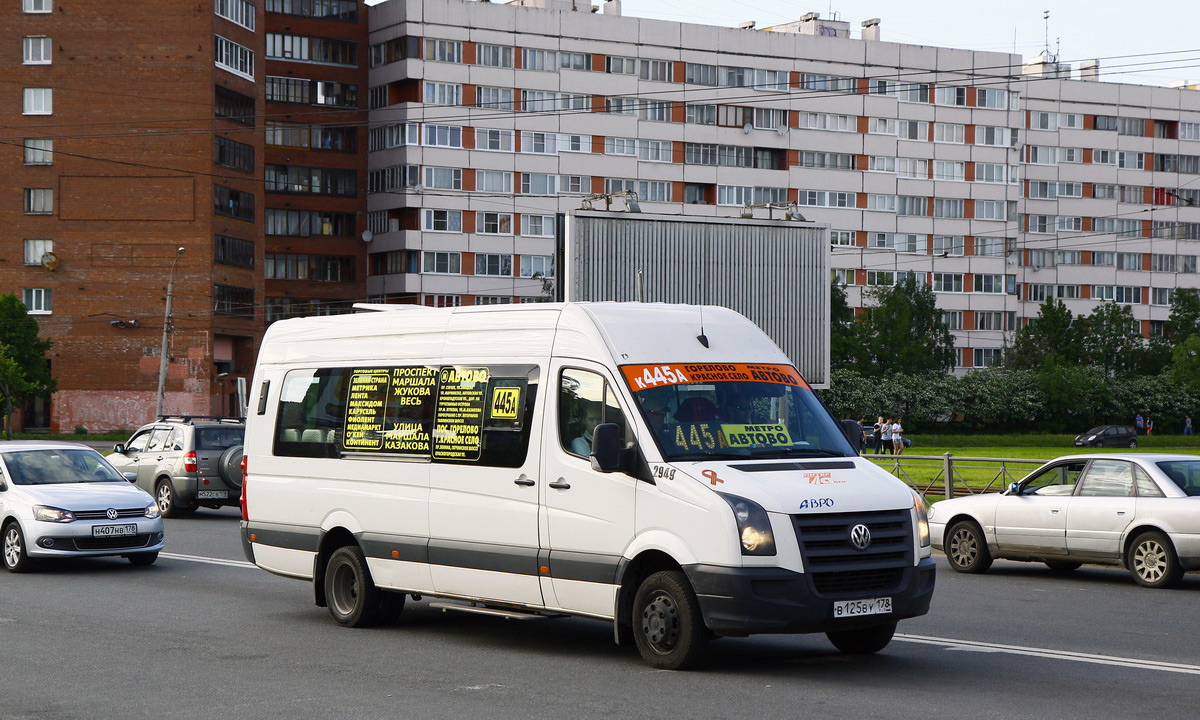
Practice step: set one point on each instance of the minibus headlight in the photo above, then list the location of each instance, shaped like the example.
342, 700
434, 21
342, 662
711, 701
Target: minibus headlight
922, 520
754, 527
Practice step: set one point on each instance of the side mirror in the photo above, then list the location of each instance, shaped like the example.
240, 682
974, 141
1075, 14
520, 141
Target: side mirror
119, 449
606, 448
3, 485
1014, 489
130, 476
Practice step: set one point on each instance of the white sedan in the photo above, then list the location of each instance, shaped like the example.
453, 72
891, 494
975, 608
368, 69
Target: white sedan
1138, 511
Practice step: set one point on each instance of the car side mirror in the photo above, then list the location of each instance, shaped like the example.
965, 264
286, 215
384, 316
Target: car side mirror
119, 449
606, 448
130, 476
1014, 489
3, 485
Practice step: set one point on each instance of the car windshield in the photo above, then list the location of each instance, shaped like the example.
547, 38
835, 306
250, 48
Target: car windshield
59, 465
705, 412
1096, 430
219, 438
1184, 473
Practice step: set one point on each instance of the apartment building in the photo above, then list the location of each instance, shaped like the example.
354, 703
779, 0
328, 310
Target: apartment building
996, 182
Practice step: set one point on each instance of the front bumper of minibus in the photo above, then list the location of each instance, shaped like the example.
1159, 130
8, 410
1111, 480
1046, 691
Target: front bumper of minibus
745, 601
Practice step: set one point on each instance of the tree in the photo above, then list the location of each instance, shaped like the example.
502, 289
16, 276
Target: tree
844, 343
28, 375
1185, 314
1052, 338
904, 333
1111, 340
1185, 363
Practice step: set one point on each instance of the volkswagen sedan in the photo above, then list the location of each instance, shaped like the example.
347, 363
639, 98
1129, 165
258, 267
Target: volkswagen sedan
61, 499
1140, 512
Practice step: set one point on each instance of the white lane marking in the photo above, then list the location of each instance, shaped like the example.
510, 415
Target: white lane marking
974, 646
210, 561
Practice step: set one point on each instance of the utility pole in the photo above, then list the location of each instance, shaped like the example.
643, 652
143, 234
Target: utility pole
166, 338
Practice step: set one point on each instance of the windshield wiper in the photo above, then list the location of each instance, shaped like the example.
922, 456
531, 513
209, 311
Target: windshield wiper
709, 456
803, 452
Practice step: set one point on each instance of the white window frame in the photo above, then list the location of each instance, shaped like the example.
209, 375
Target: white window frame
498, 220
39, 201
450, 258
238, 12
38, 101
451, 219
533, 264
39, 151
484, 260
533, 225
35, 248
37, 50
487, 137
439, 93
38, 301
495, 181
233, 58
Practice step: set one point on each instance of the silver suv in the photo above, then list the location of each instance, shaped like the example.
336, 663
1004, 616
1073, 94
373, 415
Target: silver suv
185, 462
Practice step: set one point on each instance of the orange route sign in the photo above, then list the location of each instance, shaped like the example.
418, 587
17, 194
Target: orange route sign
644, 377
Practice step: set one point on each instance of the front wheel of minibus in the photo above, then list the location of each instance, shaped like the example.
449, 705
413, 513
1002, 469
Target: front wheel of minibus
667, 624
351, 595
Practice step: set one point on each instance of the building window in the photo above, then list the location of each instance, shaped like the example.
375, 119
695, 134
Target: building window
988, 357
442, 301
538, 183
948, 170
915, 168
542, 143
951, 95
541, 266
841, 237
306, 223
949, 133
948, 245
39, 151
498, 140
39, 201
988, 98
437, 93
240, 12
234, 58
494, 223
320, 9
233, 251
37, 6
952, 319
37, 300
496, 181
236, 204
231, 154
35, 249
443, 178
36, 50
443, 50
992, 246
38, 101
441, 263
443, 220
493, 264
542, 60
234, 106
574, 61
947, 282
989, 284
494, 55
233, 301
496, 98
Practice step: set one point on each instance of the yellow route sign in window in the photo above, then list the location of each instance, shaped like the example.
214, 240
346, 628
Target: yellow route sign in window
505, 403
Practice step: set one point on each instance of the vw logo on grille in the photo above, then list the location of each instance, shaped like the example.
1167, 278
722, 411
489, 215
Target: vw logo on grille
860, 537
111, 513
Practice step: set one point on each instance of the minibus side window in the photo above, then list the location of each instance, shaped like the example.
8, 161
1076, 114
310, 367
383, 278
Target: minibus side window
505, 416
585, 400
311, 410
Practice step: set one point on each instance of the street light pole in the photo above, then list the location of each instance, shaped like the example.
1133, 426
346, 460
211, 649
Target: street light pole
166, 338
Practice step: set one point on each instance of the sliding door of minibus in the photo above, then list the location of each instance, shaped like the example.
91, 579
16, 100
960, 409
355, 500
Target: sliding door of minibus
483, 494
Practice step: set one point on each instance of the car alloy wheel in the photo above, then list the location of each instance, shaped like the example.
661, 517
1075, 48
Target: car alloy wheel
966, 549
1152, 561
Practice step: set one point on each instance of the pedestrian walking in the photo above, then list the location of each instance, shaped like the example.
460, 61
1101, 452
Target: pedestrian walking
1149, 425
1187, 424
885, 436
1140, 424
877, 435
897, 438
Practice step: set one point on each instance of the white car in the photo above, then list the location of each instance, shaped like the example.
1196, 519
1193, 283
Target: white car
1139, 511
63, 499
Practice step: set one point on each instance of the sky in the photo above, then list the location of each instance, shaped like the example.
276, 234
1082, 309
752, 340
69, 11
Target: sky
1078, 30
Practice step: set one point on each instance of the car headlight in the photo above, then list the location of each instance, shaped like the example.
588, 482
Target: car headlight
922, 520
152, 510
754, 527
46, 513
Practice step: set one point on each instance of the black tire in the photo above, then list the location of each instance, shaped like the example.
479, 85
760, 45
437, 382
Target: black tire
966, 548
667, 625
863, 641
142, 559
1152, 561
351, 595
229, 466
12, 549
168, 501
1132, 444
1063, 566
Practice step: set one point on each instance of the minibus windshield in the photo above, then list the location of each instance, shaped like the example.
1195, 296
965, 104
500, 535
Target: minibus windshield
719, 411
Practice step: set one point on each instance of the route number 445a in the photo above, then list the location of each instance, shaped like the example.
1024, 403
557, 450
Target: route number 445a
660, 375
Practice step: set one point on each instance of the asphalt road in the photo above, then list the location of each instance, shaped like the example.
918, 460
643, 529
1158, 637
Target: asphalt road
202, 635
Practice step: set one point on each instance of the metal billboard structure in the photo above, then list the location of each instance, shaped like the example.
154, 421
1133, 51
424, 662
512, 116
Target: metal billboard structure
775, 272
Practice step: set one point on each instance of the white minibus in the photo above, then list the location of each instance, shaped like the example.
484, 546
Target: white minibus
660, 467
